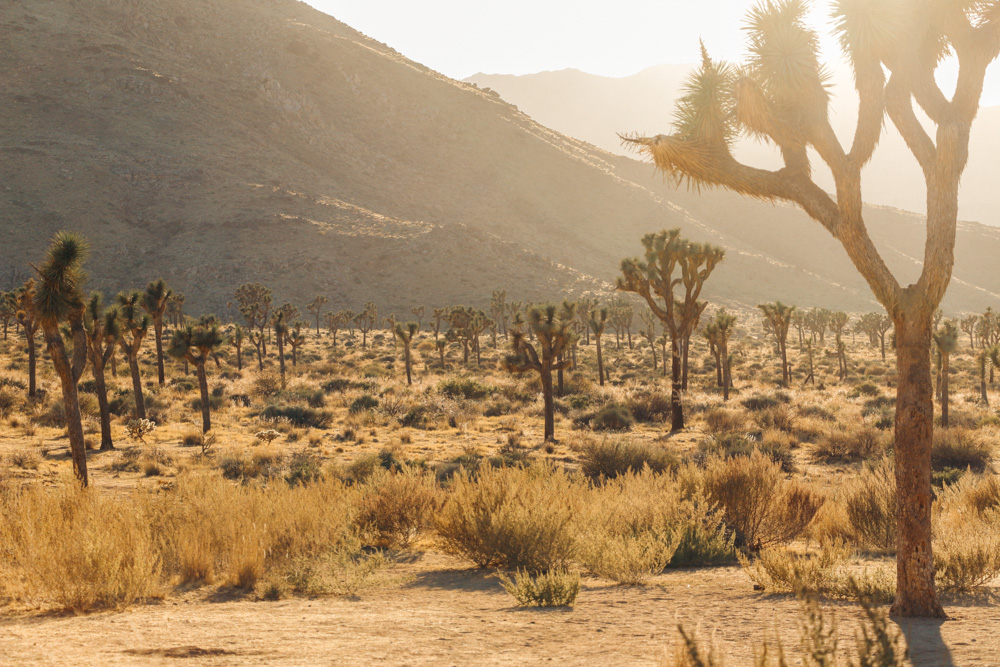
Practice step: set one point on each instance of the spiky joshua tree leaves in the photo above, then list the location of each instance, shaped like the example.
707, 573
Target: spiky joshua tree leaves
780, 95
197, 344
672, 262
57, 297
552, 328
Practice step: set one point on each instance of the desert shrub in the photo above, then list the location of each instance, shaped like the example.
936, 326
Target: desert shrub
464, 387
498, 408
778, 570
263, 465
193, 439
298, 415
512, 453
760, 402
395, 508
851, 445
865, 389
612, 417
555, 588
128, 460
267, 384
10, 400
967, 551
817, 412
878, 405
721, 421
961, 448
469, 460
703, 537
12, 383
416, 417
778, 417
869, 500
364, 467
649, 406
578, 401
362, 403
304, 468
26, 459
510, 518
978, 494
759, 504
610, 457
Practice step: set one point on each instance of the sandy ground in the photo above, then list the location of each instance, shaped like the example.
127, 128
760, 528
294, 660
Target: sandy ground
438, 612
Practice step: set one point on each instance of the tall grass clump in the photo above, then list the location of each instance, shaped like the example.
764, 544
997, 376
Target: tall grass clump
511, 518
395, 508
611, 457
869, 500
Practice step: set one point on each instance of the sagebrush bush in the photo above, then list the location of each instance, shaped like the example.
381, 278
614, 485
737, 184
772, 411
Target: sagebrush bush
612, 417
961, 448
779, 570
554, 588
394, 508
464, 387
511, 518
852, 444
722, 421
649, 406
610, 457
759, 504
869, 500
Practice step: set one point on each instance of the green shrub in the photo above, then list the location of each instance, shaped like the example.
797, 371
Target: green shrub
555, 588
463, 387
304, 468
612, 417
851, 445
609, 458
649, 406
362, 403
865, 389
960, 448
299, 415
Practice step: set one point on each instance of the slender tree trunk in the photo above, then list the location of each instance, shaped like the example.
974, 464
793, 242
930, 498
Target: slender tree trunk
281, 360
550, 428
559, 375
676, 409
114, 363
71, 400
409, 380
727, 379
32, 365
102, 403
785, 375
600, 360
717, 354
915, 591
239, 358
158, 333
140, 403
982, 379
206, 412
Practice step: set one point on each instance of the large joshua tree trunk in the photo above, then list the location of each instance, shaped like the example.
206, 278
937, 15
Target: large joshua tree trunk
915, 593
71, 400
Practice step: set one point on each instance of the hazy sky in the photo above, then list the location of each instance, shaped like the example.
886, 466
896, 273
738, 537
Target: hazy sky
462, 37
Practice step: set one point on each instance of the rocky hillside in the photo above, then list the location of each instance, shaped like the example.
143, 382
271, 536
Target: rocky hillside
213, 142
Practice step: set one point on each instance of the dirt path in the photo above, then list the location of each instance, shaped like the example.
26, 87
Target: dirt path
444, 614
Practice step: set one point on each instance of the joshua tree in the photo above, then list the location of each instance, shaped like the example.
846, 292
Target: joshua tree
155, 301
649, 333
982, 360
440, 315
8, 310
29, 324
337, 321
699, 308
196, 344
778, 317
876, 325
280, 327
418, 312
837, 323
135, 326
295, 339
57, 297
103, 331
316, 308
552, 329
597, 322
254, 303
290, 312
499, 309
441, 344
237, 338
584, 308
781, 96
366, 321
968, 325
655, 279
175, 310
946, 340
404, 335
718, 332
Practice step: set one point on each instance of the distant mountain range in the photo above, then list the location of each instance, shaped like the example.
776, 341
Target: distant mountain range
212, 142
